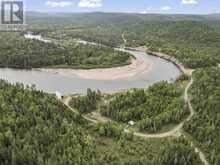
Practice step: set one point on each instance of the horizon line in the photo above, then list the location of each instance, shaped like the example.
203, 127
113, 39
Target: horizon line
115, 12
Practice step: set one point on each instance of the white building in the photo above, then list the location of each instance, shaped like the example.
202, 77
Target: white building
131, 123
36, 37
59, 95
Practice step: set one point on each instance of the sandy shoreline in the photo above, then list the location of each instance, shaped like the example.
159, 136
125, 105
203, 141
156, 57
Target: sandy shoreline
167, 57
137, 66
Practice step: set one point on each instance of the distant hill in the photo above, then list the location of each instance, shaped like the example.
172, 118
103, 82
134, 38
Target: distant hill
42, 20
193, 39
115, 17
215, 16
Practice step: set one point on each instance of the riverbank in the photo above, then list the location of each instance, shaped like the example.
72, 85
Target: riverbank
137, 66
169, 58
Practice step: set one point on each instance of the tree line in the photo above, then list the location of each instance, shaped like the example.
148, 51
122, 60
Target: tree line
36, 129
114, 130
193, 41
87, 103
205, 125
18, 52
151, 109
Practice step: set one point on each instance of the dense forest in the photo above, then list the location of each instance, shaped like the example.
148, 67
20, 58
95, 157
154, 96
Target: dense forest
146, 152
87, 103
205, 125
36, 129
151, 109
193, 39
18, 52
159, 105
195, 44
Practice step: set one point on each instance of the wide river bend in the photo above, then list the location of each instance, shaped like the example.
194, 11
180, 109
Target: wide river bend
49, 82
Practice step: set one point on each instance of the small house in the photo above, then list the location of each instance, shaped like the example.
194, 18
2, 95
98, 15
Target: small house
131, 123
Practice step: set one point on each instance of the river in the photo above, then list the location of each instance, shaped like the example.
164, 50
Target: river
48, 82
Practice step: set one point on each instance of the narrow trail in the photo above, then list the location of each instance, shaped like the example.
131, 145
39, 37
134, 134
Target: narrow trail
201, 154
96, 118
66, 102
175, 132
192, 113
188, 102
124, 39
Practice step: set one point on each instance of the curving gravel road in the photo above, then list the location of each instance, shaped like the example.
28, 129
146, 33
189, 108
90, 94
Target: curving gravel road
174, 132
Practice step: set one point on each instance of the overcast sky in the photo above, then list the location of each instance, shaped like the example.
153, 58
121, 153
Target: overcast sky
134, 6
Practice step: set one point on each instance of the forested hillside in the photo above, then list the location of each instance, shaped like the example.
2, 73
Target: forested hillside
35, 128
195, 44
18, 52
160, 105
88, 103
152, 109
193, 39
205, 125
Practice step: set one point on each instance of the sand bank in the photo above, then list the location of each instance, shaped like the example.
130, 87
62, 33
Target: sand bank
137, 66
